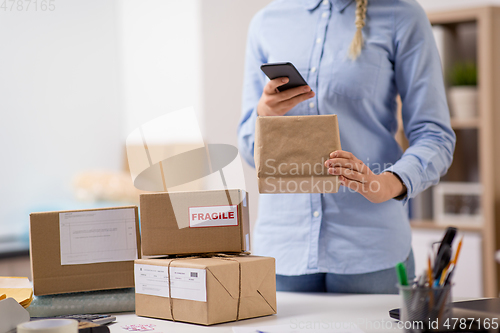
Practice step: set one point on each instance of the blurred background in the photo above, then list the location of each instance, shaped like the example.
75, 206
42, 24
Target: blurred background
76, 77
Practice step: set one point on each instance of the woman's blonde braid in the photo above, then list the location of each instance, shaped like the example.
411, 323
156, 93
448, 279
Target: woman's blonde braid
357, 42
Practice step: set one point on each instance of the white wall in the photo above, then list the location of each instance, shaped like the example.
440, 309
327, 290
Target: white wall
59, 103
431, 5
160, 45
225, 25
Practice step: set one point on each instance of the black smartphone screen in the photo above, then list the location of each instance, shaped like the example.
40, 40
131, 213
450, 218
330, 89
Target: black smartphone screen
284, 69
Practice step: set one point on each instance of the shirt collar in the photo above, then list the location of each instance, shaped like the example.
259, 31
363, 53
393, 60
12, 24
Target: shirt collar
339, 5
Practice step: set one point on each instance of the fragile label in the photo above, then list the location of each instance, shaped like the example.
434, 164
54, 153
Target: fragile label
213, 216
187, 283
97, 236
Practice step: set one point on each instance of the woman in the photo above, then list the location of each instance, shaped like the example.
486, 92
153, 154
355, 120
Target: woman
349, 241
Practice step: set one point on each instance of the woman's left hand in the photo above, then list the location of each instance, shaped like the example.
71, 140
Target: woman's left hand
354, 174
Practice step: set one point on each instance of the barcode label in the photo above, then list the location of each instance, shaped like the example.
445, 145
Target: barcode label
194, 274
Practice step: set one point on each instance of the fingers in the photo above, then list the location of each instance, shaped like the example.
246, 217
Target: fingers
343, 154
348, 174
270, 87
371, 190
340, 158
282, 102
275, 103
289, 98
352, 184
355, 165
290, 103
291, 93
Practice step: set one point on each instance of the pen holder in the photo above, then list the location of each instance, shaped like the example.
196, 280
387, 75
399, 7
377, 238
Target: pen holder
425, 309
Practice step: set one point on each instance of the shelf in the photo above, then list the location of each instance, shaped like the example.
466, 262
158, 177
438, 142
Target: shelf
473, 34
430, 224
465, 123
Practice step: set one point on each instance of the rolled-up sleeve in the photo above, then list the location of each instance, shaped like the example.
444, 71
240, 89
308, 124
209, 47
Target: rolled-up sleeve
253, 85
426, 117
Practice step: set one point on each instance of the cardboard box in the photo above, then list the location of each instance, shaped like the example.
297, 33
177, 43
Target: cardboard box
290, 153
177, 222
206, 290
83, 250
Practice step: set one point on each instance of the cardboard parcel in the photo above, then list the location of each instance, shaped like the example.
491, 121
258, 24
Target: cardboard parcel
206, 290
290, 153
194, 222
84, 250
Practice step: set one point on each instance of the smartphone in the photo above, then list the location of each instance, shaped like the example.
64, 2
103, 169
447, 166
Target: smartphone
284, 69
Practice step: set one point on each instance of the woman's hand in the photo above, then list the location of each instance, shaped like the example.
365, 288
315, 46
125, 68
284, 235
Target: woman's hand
275, 103
354, 174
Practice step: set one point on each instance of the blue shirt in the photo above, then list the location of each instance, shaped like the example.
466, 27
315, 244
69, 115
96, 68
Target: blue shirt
344, 233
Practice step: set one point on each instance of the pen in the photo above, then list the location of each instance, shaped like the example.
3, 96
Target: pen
401, 273
442, 260
443, 255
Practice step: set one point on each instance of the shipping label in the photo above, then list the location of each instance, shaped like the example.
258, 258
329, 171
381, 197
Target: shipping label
88, 237
187, 283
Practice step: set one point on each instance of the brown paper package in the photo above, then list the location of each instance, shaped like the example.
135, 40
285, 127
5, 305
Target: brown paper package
166, 230
225, 300
50, 277
290, 152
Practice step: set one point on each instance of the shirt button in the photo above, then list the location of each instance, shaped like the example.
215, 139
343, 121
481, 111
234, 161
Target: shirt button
316, 214
313, 69
311, 105
325, 2
325, 14
318, 40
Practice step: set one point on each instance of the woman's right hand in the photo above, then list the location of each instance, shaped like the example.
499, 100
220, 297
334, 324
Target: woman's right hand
275, 103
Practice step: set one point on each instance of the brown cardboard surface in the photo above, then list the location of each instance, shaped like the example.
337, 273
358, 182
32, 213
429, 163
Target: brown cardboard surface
50, 277
160, 230
256, 298
290, 152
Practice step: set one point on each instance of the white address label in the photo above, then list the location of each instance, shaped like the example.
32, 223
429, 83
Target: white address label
95, 236
213, 216
187, 283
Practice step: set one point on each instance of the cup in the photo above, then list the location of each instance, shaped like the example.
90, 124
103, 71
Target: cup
425, 309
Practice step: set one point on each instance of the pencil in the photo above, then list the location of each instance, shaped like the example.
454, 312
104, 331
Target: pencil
429, 271
429, 275
459, 247
443, 274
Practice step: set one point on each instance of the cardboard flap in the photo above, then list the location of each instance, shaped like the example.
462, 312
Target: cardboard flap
255, 270
222, 305
259, 288
267, 289
227, 276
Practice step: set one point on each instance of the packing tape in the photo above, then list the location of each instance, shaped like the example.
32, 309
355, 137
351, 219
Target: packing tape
49, 326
